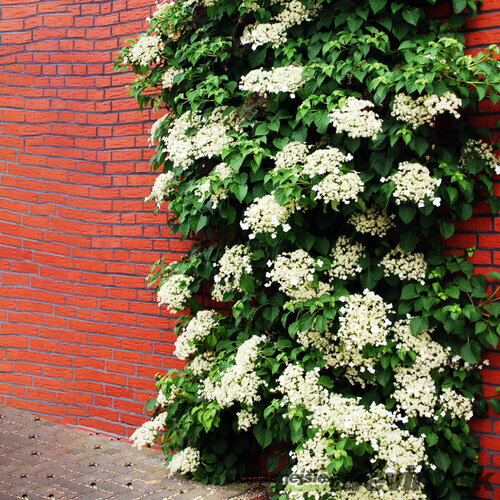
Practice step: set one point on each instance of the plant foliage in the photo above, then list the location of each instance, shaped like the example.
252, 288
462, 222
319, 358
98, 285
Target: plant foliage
318, 153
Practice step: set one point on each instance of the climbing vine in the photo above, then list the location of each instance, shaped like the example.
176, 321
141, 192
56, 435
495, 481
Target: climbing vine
318, 154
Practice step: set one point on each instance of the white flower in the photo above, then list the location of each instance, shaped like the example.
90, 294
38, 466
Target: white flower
274, 32
163, 186
246, 419
281, 79
339, 188
239, 382
414, 183
167, 80
345, 256
209, 139
220, 173
294, 153
175, 292
146, 434
372, 221
233, 263
364, 321
293, 272
355, 120
459, 406
423, 110
265, 215
195, 331
185, 461
406, 266
324, 161
146, 49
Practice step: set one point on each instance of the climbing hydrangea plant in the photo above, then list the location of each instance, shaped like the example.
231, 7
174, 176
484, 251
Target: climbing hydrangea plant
318, 153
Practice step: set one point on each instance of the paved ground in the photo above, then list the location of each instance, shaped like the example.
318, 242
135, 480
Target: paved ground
40, 459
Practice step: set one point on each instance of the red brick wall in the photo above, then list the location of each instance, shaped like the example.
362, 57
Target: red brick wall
80, 336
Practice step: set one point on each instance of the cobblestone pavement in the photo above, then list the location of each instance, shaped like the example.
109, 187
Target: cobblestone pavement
41, 459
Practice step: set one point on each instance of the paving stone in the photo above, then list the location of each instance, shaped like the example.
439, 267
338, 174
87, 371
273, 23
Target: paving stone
42, 459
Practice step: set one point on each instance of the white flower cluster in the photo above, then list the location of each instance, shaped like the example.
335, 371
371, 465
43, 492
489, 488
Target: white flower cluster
162, 400
161, 8
246, 419
294, 13
146, 434
175, 292
312, 455
146, 49
265, 215
334, 355
480, 150
220, 173
355, 119
208, 140
325, 161
416, 390
372, 221
202, 363
232, 265
424, 109
333, 412
156, 126
299, 387
459, 406
239, 383
416, 393
406, 266
363, 320
294, 153
185, 461
167, 80
163, 186
380, 488
353, 361
283, 79
376, 425
345, 256
339, 188
198, 328
414, 183
294, 273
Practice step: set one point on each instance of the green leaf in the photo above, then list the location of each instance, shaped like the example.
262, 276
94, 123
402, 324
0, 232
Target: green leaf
383, 377
354, 23
495, 405
264, 436
247, 283
241, 192
408, 241
471, 352
377, 5
442, 460
273, 462
411, 16
151, 404
407, 212
459, 6
446, 228
431, 439
409, 291
321, 120
418, 325
325, 381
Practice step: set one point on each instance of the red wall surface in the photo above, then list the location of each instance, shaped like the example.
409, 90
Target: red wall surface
80, 336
